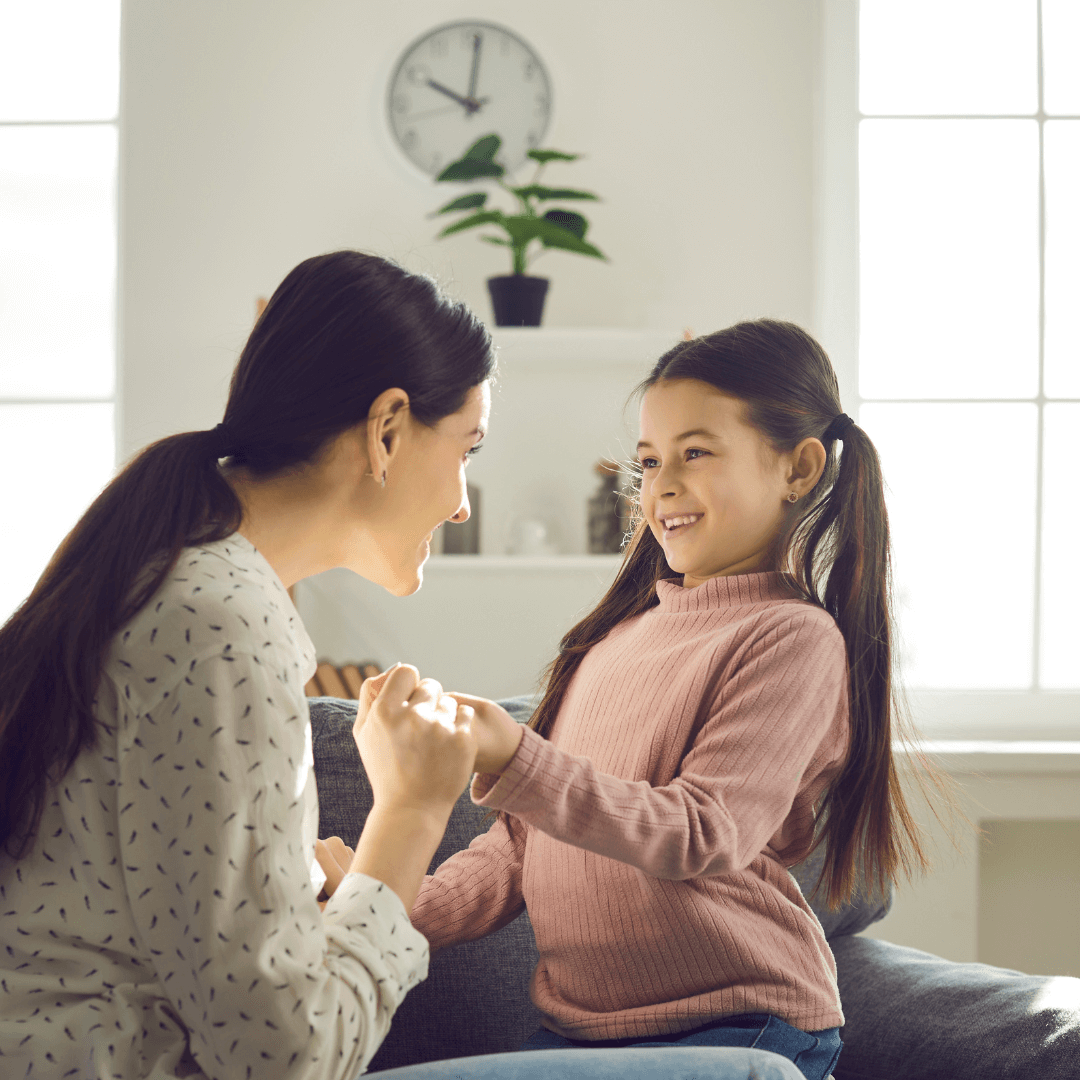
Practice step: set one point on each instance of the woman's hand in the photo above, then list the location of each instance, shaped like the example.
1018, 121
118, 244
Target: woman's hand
497, 733
416, 742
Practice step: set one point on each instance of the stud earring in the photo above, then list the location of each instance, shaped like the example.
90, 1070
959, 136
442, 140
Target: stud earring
792, 497
382, 479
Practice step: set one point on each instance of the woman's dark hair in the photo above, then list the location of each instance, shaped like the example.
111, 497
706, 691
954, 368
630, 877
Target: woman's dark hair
836, 551
340, 329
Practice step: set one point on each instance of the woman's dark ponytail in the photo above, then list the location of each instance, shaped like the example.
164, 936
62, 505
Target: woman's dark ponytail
339, 330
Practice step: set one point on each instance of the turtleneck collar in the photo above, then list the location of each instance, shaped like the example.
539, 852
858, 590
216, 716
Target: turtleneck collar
736, 590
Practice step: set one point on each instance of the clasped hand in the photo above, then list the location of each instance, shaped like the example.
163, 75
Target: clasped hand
419, 745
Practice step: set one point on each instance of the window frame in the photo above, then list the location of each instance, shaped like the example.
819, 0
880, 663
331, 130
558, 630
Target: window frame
114, 122
991, 714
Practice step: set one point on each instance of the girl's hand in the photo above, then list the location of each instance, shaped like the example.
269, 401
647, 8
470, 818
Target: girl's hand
416, 744
497, 733
335, 857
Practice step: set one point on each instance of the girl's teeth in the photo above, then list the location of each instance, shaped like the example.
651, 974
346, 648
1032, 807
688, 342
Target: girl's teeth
673, 523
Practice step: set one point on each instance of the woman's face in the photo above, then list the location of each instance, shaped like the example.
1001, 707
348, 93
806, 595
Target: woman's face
425, 487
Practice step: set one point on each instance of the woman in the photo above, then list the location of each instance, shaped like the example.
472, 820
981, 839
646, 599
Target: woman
157, 804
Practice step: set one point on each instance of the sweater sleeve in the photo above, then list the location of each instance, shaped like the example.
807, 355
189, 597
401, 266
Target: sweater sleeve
774, 718
476, 891
219, 882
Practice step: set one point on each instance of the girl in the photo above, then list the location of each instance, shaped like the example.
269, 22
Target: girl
724, 710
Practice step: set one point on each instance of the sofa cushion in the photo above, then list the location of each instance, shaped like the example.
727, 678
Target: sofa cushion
914, 1016
475, 999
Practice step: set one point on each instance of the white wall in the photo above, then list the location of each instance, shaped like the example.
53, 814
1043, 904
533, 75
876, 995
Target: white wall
253, 137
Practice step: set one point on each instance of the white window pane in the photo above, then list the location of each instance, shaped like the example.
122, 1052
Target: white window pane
57, 261
949, 258
960, 487
1061, 56
1062, 172
959, 57
59, 59
1060, 632
65, 455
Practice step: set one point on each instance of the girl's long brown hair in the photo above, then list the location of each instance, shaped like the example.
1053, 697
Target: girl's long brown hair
338, 331
836, 551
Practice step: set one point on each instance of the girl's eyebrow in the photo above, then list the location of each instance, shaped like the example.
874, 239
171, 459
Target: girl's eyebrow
685, 435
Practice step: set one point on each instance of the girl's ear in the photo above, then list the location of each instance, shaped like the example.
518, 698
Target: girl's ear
807, 465
386, 421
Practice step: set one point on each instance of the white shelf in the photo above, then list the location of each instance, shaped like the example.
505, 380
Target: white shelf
540, 345
545, 563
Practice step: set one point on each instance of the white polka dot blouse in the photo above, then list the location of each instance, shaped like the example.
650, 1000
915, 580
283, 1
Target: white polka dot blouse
164, 924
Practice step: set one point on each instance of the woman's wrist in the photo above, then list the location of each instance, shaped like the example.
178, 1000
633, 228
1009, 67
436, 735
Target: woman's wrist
397, 845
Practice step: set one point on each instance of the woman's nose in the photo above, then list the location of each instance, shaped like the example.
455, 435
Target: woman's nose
462, 511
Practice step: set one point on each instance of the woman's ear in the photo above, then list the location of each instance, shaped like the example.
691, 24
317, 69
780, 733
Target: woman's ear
386, 421
807, 465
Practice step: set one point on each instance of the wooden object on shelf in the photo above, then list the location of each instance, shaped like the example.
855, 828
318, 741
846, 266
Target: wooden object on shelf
342, 682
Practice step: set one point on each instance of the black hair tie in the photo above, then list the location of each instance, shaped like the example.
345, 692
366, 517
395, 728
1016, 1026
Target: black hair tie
224, 442
840, 423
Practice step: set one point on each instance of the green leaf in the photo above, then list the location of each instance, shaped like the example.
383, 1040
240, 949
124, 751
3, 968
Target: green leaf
523, 229
483, 149
570, 221
538, 191
496, 240
466, 202
485, 217
470, 169
544, 156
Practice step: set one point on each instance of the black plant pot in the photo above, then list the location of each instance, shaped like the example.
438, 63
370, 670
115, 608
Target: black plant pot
518, 299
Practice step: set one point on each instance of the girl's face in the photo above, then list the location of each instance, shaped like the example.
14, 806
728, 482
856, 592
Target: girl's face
713, 490
425, 487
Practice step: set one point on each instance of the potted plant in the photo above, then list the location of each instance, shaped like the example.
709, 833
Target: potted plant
518, 298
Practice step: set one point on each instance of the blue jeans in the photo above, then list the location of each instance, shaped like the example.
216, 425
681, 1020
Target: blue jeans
814, 1052
628, 1063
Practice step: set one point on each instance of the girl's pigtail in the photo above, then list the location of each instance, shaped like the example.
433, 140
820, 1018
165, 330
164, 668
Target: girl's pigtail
844, 539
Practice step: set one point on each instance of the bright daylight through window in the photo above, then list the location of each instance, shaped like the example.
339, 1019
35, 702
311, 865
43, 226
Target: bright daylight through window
969, 351
59, 93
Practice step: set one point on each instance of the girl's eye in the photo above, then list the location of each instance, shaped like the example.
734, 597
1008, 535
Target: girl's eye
648, 463
475, 450
695, 452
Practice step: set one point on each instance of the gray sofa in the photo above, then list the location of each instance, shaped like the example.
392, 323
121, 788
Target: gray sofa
910, 1015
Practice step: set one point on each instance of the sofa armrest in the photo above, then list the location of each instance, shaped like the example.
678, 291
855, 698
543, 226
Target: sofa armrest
914, 1016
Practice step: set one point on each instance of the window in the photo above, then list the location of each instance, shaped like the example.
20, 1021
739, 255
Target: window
59, 95
969, 330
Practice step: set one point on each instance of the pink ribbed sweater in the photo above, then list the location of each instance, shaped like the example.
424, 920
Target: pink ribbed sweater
691, 744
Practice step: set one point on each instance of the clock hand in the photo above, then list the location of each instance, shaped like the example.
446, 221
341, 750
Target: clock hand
477, 41
470, 105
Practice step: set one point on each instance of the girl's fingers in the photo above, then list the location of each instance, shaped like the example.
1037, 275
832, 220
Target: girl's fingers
464, 716
331, 868
426, 695
340, 850
467, 699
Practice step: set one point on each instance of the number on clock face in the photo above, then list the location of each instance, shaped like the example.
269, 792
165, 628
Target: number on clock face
462, 81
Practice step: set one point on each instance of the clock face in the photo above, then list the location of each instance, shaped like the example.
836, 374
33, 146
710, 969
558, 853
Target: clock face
461, 82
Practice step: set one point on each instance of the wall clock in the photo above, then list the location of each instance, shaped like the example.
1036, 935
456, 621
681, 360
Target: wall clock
464, 80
